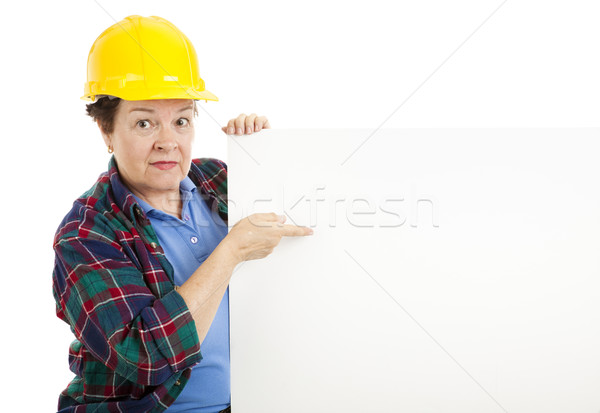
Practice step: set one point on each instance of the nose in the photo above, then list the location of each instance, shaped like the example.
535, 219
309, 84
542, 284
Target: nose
166, 140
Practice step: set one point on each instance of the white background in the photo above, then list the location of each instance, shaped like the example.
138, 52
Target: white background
304, 64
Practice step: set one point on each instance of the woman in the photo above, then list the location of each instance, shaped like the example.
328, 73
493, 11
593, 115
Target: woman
143, 259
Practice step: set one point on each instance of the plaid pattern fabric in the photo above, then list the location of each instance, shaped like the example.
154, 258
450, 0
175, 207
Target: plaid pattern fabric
135, 337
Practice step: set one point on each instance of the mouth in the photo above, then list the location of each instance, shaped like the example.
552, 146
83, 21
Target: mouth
164, 165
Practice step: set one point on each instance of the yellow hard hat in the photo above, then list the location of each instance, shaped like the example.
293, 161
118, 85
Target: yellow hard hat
143, 58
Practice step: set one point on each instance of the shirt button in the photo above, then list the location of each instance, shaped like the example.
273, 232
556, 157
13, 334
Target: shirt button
177, 383
194, 240
153, 244
187, 217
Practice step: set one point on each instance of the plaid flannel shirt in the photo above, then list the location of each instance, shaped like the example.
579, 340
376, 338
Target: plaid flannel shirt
135, 337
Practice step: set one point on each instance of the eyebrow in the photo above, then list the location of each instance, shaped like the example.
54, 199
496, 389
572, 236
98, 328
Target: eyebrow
152, 110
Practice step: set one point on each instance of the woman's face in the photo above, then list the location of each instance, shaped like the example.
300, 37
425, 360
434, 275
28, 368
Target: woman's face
152, 141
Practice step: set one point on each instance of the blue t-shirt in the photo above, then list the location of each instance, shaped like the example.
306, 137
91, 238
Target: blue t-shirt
187, 242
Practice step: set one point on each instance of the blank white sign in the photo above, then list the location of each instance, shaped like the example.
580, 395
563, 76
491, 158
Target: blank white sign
451, 270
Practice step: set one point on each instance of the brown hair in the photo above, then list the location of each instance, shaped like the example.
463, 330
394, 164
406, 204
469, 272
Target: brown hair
104, 110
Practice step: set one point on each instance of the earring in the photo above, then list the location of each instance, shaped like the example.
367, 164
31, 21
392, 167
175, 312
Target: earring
110, 149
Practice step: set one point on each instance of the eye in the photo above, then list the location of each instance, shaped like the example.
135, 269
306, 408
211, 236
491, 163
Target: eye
144, 124
183, 122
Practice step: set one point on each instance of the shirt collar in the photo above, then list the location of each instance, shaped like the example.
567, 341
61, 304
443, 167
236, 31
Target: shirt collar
123, 196
186, 186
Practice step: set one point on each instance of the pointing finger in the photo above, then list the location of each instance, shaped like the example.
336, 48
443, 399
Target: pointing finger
295, 231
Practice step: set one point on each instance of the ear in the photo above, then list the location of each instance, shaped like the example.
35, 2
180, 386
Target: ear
105, 136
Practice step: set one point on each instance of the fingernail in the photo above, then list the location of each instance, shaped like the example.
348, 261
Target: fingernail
249, 129
310, 231
240, 131
282, 218
230, 131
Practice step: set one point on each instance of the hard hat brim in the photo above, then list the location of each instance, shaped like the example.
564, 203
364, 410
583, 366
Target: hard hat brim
158, 93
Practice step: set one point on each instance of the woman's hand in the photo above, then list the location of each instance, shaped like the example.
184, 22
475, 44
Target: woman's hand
257, 235
246, 124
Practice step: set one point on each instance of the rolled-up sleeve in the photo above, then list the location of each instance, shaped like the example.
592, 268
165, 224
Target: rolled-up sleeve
104, 297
